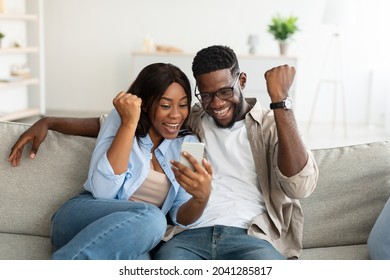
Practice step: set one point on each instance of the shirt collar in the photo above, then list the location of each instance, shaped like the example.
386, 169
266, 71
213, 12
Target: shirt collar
257, 111
147, 142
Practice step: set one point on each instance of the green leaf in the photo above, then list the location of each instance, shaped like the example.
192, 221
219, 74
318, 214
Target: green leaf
283, 28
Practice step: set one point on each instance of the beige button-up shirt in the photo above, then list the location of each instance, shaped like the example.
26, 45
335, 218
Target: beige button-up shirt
282, 223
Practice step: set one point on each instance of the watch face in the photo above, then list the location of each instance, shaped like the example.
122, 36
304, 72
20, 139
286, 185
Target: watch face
288, 103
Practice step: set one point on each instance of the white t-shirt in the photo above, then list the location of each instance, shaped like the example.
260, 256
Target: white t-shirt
235, 197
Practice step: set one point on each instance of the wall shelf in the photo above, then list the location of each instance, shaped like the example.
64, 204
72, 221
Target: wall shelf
27, 17
22, 97
20, 83
19, 50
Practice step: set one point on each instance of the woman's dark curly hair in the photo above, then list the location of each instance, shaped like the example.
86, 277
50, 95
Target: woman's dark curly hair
150, 85
215, 58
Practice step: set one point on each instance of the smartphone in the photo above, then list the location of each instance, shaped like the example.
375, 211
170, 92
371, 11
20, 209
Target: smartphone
194, 149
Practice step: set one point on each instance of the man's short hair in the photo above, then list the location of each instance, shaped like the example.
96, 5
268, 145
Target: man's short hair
215, 58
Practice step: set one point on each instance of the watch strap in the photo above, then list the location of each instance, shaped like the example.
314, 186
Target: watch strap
286, 104
277, 105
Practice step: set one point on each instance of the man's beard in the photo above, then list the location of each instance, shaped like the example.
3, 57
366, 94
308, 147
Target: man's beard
235, 114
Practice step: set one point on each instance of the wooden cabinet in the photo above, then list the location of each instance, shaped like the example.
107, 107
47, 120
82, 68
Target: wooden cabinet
253, 66
22, 96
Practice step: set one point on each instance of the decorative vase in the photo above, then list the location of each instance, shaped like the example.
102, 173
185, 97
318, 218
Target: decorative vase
283, 47
253, 41
2, 7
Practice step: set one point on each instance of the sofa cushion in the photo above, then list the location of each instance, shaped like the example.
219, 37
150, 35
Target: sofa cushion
33, 191
24, 247
353, 186
351, 252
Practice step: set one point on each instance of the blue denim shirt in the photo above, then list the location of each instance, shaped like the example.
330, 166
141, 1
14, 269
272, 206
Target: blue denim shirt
103, 183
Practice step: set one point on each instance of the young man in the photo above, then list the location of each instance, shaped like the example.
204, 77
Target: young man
261, 165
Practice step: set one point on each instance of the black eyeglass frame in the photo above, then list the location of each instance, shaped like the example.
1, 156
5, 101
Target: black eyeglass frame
217, 93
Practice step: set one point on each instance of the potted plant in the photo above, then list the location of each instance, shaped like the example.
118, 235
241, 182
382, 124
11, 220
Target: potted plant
1, 37
282, 28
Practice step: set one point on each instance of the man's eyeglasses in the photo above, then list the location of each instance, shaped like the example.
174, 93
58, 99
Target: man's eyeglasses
222, 93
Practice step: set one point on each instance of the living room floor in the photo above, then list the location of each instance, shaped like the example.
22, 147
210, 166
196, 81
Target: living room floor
319, 135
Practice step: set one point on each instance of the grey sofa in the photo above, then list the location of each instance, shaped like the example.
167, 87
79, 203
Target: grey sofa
353, 187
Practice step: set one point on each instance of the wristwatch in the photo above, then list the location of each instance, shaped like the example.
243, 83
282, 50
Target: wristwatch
286, 104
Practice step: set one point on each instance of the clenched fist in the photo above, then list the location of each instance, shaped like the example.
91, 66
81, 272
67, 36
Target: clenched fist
279, 80
128, 107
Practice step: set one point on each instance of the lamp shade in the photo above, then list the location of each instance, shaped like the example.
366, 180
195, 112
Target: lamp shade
338, 12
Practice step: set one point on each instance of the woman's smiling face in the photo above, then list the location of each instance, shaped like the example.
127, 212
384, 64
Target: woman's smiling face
170, 113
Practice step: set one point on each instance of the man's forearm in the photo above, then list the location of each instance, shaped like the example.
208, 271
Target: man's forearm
74, 126
292, 154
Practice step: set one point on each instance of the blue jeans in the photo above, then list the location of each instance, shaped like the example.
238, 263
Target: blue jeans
103, 229
379, 238
217, 243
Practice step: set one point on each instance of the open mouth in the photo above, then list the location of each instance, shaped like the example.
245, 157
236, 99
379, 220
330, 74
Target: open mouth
172, 128
221, 114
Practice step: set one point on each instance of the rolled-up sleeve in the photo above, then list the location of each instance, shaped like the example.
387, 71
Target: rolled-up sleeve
102, 182
300, 185
181, 198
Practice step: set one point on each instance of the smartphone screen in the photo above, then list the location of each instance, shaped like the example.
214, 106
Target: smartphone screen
194, 149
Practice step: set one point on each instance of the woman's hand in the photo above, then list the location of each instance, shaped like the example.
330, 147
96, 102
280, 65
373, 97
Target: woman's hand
128, 107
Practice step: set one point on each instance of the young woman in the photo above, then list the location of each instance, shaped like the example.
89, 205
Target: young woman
131, 184
379, 238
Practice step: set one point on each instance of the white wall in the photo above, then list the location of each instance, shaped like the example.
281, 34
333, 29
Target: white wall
89, 45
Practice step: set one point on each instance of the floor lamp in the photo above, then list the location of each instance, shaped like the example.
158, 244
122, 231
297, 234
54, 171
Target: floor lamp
336, 13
